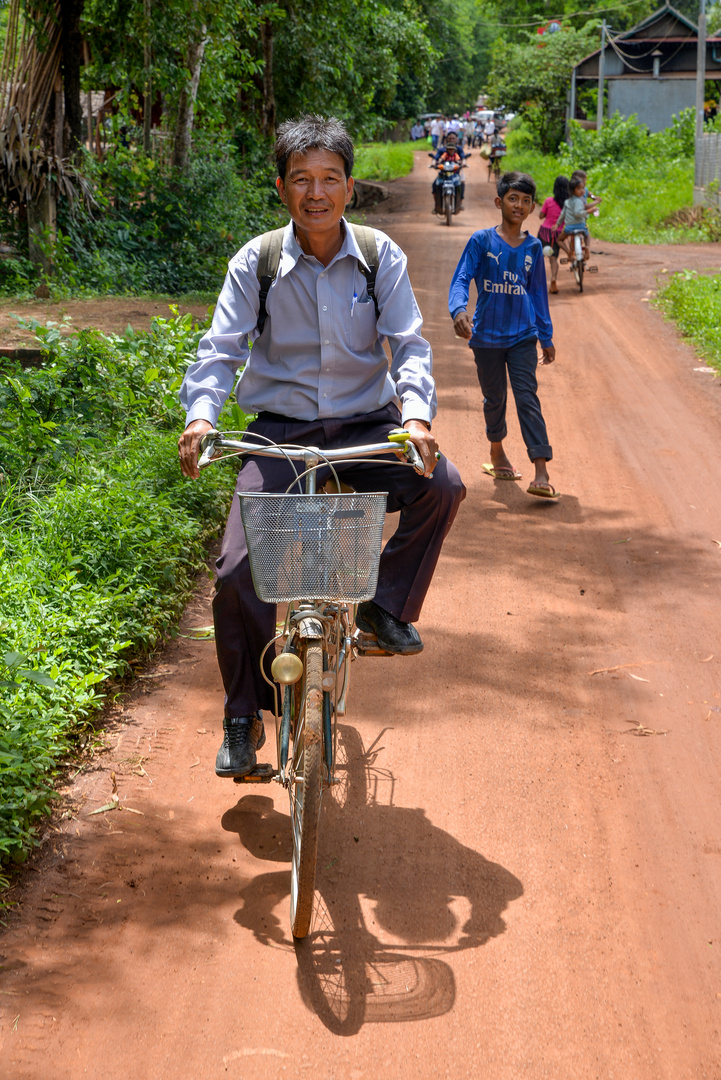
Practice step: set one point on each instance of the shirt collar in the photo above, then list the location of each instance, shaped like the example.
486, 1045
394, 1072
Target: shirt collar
292, 251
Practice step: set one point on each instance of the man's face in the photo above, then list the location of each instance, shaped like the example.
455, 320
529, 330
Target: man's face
315, 190
515, 206
451, 142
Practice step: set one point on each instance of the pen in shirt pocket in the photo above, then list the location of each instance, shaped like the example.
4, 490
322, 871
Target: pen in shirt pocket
353, 303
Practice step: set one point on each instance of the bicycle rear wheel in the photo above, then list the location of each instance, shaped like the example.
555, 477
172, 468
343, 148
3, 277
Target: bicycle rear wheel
305, 788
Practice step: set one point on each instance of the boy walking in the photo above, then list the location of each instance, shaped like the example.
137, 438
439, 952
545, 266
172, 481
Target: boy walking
511, 317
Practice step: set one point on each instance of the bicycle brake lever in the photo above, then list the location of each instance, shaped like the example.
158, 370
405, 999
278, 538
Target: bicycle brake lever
207, 448
414, 458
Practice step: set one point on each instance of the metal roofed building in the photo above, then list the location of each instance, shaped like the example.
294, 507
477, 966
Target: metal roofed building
649, 70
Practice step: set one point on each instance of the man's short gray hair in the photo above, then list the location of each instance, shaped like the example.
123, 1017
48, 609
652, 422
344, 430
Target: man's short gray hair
313, 132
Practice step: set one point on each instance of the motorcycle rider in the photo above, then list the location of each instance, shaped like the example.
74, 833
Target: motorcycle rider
454, 153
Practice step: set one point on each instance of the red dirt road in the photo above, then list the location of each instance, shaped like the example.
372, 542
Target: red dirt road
525, 878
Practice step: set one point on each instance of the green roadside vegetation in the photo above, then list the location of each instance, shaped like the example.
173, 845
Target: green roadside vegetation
646, 181
101, 540
693, 302
386, 161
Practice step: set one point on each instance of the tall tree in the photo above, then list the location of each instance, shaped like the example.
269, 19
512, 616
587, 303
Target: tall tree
72, 51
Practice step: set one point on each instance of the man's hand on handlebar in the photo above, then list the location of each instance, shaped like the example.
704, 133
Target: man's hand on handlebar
424, 442
189, 447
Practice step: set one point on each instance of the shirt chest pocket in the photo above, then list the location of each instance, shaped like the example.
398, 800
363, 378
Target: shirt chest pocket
363, 330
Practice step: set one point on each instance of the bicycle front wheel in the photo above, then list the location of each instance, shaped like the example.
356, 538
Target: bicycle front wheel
306, 787
578, 274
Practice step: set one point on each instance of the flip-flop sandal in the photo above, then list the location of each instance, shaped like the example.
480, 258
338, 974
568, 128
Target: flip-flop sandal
501, 473
548, 491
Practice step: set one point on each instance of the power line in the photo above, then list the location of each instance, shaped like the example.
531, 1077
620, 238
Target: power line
560, 18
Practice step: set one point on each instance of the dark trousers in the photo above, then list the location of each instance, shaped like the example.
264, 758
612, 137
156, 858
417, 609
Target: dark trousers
244, 624
521, 361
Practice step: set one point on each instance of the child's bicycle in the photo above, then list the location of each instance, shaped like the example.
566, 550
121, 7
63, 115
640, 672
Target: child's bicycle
578, 266
317, 551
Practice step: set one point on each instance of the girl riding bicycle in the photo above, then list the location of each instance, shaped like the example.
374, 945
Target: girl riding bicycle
573, 216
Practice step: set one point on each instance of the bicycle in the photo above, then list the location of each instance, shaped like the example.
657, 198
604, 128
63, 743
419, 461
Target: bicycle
317, 551
577, 264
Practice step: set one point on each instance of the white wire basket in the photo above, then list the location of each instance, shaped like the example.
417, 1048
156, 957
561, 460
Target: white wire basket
314, 547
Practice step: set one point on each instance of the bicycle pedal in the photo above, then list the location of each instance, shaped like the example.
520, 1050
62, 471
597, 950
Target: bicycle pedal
263, 773
563, 262
367, 644
591, 269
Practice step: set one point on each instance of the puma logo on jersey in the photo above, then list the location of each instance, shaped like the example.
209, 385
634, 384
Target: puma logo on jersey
496, 257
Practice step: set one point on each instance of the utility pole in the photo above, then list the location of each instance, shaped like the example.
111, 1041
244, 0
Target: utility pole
700, 69
601, 59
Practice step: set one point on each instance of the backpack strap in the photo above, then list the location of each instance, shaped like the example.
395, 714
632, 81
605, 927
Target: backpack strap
366, 240
271, 246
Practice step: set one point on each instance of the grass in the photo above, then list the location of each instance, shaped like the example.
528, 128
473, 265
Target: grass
693, 302
646, 181
385, 161
100, 541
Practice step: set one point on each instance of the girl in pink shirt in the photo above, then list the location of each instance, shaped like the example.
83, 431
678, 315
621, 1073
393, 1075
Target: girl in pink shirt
549, 215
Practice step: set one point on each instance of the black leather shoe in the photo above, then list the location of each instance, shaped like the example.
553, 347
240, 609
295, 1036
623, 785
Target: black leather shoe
243, 736
393, 635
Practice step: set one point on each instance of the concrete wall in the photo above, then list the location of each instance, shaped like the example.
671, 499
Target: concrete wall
654, 101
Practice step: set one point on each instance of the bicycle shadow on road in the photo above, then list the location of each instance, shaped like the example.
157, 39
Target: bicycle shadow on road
394, 894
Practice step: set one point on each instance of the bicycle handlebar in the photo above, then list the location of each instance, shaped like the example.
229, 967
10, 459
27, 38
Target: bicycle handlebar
398, 439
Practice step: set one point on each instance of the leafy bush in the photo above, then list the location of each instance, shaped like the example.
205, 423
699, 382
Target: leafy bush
159, 231
385, 161
101, 537
693, 301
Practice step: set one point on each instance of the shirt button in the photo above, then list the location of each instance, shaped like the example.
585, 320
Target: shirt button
322, 275
325, 395
324, 308
327, 342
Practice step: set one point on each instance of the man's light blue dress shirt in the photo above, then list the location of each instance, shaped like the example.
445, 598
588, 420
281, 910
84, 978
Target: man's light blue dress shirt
321, 352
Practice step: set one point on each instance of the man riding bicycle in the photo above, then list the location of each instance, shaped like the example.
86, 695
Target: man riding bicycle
318, 375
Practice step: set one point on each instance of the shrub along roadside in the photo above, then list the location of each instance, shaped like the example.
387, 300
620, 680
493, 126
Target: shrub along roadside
385, 161
645, 180
101, 538
693, 302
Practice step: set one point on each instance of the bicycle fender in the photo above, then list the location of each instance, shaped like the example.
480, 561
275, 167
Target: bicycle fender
310, 628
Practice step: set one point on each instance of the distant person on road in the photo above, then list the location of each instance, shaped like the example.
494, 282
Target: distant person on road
549, 215
489, 129
436, 131
453, 153
510, 319
469, 131
498, 150
417, 131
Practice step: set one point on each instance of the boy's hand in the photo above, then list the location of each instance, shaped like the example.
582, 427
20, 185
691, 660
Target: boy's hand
463, 325
549, 355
